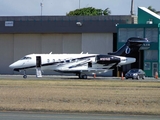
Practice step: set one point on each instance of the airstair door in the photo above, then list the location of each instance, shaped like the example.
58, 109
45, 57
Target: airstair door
38, 61
38, 66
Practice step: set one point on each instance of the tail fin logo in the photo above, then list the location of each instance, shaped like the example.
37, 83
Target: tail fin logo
127, 51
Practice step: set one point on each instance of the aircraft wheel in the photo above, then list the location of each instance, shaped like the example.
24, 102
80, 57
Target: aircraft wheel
24, 76
84, 76
143, 77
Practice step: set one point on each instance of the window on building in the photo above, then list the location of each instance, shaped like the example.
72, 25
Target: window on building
147, 66
151, 54
125, 33
151, 34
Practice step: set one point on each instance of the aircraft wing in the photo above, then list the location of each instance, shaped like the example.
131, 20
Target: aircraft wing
87, 66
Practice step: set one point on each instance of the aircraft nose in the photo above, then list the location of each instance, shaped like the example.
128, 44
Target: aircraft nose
12, 65
15, 65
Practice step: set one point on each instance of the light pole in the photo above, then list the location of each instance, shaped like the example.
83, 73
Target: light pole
41, 4
132, 7
79, 4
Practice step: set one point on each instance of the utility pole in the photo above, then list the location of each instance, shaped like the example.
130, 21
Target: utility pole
132, 7
132, 12
41, 4
79, 4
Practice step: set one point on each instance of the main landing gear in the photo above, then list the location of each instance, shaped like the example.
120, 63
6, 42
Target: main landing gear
82, 76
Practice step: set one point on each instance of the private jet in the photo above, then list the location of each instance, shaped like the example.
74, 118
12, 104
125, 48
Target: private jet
81, 64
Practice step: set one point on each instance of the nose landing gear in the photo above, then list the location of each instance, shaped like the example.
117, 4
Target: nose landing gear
24, 74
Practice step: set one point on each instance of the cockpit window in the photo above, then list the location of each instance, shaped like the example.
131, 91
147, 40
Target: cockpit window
25, 58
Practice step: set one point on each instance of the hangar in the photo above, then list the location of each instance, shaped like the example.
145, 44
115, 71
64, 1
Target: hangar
21, 35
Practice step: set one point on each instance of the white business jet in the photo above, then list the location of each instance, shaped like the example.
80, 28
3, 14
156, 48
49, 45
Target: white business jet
80, 64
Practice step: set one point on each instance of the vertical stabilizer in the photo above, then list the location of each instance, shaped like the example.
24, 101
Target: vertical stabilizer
133, 44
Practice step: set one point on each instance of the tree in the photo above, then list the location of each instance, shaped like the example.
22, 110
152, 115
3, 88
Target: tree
89, 11
153, 10
106, 11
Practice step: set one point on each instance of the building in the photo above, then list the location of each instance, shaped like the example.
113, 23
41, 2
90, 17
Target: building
57, 34
148, 26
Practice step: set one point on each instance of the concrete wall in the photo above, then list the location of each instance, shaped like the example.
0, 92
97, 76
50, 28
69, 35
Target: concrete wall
6, 52
97, 43
15, 46
52, 43
72, 43
26, 44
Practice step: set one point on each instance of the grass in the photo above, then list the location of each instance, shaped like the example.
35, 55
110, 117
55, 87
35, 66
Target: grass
105, 96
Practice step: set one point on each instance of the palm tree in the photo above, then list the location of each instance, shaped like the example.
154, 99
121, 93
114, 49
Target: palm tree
153, 10
106, 11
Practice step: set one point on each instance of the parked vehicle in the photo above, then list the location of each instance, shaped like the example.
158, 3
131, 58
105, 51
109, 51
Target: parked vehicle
135, 74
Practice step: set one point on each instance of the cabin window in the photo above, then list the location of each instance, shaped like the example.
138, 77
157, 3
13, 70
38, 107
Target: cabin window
48, 60
67, 61
73, 60
59, 60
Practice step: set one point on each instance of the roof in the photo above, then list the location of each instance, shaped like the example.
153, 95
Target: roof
150, 12
146, 16
62, 24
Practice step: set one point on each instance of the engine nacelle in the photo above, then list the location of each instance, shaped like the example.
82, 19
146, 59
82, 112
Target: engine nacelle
107, 59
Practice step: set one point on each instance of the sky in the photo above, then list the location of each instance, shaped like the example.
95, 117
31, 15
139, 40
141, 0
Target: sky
61, 7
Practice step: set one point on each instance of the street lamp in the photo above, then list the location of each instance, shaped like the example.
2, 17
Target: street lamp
41, 4
79, 4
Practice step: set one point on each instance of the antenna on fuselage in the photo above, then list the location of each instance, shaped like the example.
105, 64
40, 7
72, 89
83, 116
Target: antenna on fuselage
50, 53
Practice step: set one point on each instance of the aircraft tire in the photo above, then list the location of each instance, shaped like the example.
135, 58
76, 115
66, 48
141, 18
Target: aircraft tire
24, 76
143, 77
84, 76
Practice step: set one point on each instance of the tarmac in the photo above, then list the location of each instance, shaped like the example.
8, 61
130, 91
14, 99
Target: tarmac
60, 77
